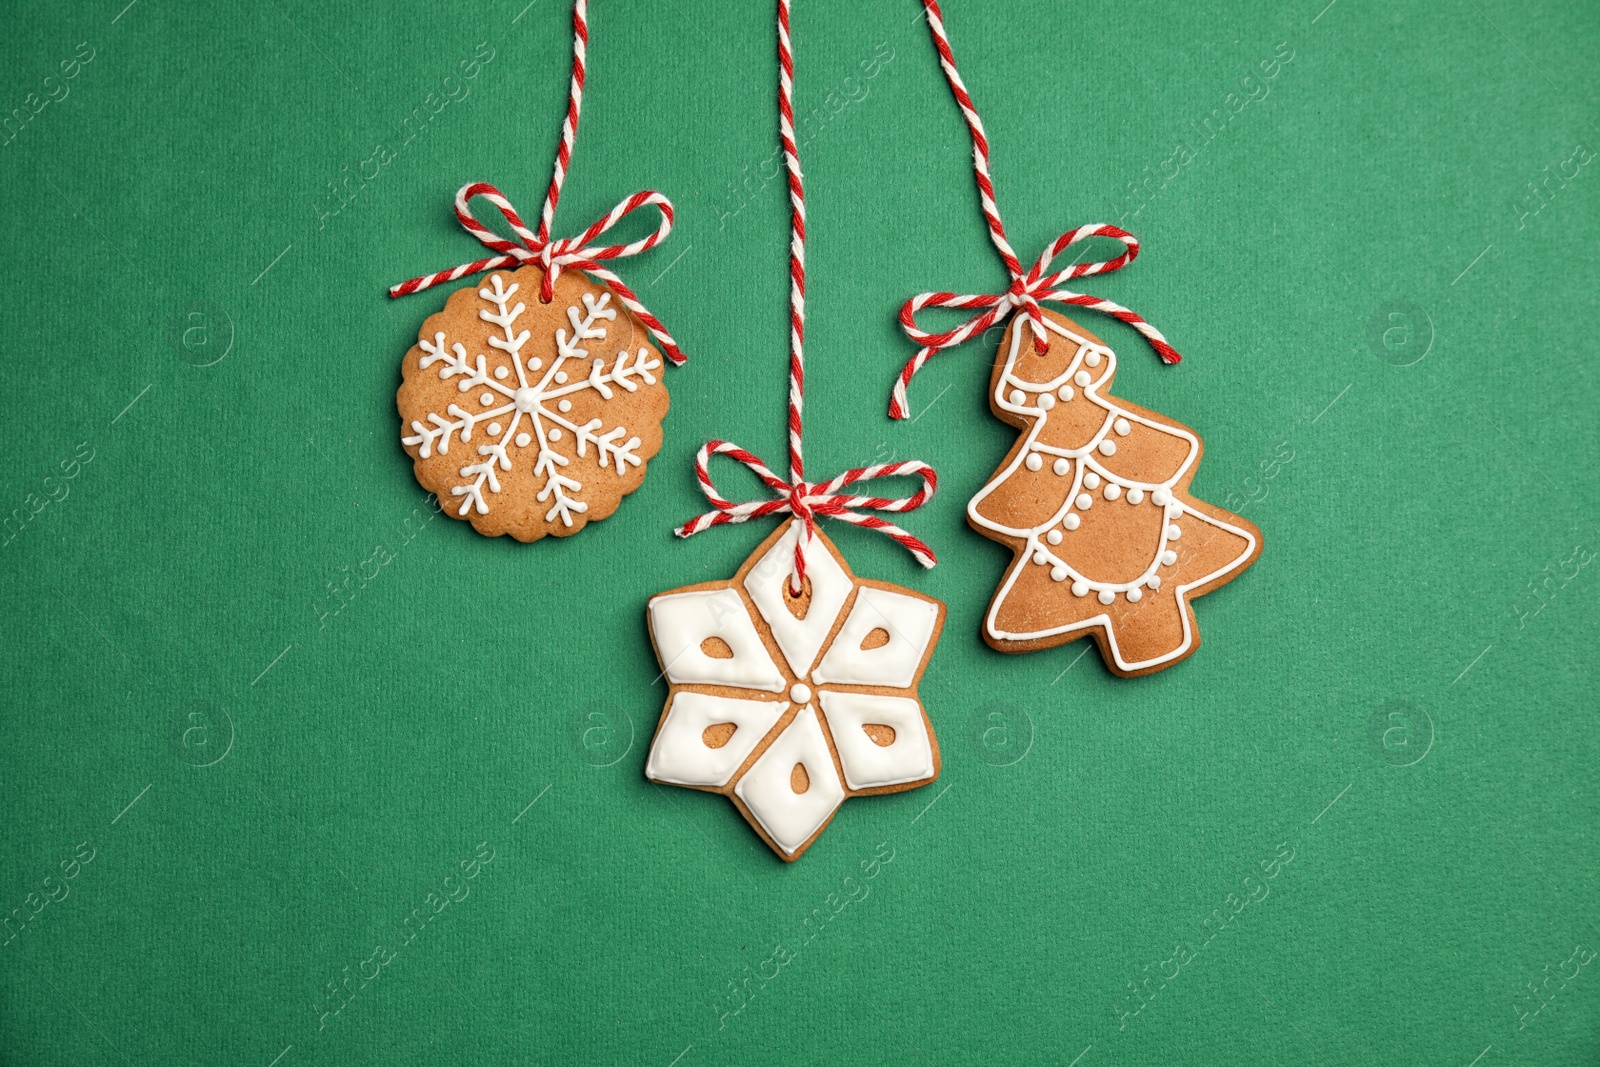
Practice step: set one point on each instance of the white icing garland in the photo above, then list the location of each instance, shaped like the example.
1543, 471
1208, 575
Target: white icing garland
1089, 474
532, 401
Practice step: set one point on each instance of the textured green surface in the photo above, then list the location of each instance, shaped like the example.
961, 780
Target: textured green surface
167, 608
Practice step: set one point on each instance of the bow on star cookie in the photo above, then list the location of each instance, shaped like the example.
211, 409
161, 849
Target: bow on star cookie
790, 705
1094, 500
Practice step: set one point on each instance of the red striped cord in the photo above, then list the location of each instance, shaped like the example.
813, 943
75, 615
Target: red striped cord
1026, 290
555, 255
805, 500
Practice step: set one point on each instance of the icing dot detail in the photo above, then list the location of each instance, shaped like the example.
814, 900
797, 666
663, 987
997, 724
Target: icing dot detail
1071, 522
501, 373
1061, 467
486, 399
565, 406
1135, 595
800, 693
1091, 480
1084, 501
1054, 537
1065, 392
1108, 448
1080, 588
1173, 533
1154, 581
1041, 557
561, 377
1058, 573
1168, 558
1106, 596
534, 363
1017, 397
1113, 490
1122, 427
1046, 402
1136, 495
494, 429
1092, 359
1033, 462
1161, 498
522, 440
1082, 378
555, 433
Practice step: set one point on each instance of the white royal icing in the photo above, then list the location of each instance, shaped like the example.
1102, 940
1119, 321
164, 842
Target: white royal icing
1012, 394
531, 400
682, 622
790, 818
908, 620
799, 639
680, 754
867, 765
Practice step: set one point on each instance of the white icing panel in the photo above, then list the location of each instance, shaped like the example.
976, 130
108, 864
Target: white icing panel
800, 639
909, 758
790, 818
680, 754
909, 621
682, 622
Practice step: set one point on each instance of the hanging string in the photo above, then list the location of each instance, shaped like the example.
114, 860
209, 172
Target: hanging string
804, 500
556, 255
1028, 289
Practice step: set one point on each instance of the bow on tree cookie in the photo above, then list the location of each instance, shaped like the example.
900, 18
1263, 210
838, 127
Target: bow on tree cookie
790, 705
1094, 500
532, 403
1094, 497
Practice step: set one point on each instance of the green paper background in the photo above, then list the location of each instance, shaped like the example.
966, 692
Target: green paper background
1400, 693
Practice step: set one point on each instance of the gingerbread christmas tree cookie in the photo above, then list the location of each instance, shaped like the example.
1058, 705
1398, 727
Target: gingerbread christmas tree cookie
1094, 500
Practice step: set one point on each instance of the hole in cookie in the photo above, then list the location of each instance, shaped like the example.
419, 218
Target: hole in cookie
882, 734
876, 638
798, 605
799, 780
718, 734
716, 648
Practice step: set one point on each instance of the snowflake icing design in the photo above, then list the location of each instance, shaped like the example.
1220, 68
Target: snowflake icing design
790, 707
523, 404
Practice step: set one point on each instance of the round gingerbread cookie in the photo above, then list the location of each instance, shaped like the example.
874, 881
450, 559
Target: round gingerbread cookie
527, 418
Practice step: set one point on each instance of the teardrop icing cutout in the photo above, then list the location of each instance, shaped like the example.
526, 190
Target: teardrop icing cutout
876, 638
799, 780
718, 734
882, 734
798, 605
716, 648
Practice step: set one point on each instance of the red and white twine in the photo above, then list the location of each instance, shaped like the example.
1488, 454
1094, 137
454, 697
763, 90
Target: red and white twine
805, 500
1028, 289
557, 254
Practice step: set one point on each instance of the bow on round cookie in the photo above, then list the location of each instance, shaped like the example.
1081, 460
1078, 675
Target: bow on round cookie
532, 403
